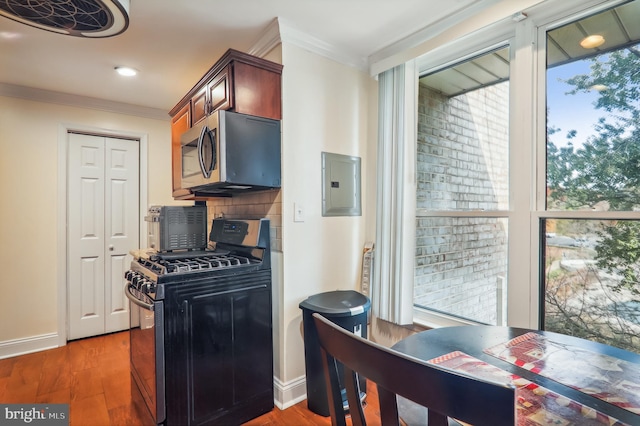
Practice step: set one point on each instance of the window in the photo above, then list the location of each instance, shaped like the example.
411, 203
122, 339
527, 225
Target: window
528, 175
591, 241
463, 189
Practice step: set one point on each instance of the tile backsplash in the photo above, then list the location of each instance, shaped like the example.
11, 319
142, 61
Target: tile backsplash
255, 205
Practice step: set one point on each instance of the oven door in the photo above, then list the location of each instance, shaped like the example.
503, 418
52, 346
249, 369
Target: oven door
147, 353
200, 149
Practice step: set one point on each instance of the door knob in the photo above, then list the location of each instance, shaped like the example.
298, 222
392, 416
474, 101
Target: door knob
110, 247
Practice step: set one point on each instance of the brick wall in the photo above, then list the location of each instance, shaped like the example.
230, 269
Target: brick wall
462, 164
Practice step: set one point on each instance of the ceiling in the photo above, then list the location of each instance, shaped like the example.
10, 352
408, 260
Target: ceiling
173, 43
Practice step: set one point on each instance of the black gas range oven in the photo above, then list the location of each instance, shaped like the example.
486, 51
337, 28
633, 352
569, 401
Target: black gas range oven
203, 352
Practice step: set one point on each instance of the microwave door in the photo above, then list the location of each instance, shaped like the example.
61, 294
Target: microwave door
208, 154
191, 170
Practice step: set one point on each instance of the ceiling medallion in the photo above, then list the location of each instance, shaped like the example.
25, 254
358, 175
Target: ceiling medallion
79, 18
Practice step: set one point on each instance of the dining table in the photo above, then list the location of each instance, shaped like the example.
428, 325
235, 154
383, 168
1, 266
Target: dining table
559, 379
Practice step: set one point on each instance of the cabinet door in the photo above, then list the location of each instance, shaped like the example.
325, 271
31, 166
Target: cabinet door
257, 91
180, 123
229, 350
220, 93
199, 106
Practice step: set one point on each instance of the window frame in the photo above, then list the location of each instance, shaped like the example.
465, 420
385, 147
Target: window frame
541, 213
527, 151
504, 37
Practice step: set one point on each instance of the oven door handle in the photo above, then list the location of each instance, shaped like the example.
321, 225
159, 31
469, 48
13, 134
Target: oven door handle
135, 300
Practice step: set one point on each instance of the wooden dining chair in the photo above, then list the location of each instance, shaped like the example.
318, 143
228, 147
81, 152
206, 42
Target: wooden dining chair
445, 393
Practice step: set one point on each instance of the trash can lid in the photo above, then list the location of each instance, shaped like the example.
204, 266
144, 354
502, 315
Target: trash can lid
338, 303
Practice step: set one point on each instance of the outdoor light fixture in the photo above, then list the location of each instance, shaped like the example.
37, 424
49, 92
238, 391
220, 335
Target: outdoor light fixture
126, 71
598, 87
592, 41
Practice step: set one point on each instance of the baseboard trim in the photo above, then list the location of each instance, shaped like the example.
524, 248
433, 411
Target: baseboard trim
11, 348
289, 393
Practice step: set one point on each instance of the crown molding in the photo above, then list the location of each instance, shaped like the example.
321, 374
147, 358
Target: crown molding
428, 32
49, 96
268, 40
289, 34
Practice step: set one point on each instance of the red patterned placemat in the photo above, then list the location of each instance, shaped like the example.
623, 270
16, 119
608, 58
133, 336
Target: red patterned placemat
610, 379
536, 405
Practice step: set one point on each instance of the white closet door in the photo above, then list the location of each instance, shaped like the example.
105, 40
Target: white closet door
122, 193
86, 241
103, 175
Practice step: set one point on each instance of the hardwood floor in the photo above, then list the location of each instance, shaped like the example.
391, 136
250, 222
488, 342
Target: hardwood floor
299, 415
92, 376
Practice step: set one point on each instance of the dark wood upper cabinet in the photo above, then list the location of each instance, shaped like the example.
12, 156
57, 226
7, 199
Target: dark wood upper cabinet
180, 123
237, 82
256, 91
220, 95
198, 106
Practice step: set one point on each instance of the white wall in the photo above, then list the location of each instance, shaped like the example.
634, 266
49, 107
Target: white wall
29, 133
326, 107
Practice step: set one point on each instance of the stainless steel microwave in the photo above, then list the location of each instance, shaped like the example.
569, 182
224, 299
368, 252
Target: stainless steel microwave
229, 152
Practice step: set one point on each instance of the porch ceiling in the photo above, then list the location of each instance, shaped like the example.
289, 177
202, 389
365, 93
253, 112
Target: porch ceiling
618, 27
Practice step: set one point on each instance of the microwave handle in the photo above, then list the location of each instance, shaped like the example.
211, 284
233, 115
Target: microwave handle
210, 135
214, 153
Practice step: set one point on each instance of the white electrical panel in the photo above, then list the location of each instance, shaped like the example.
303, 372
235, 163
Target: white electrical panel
341, 185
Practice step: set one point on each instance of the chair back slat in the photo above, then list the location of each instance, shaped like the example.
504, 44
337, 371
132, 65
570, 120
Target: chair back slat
444, 392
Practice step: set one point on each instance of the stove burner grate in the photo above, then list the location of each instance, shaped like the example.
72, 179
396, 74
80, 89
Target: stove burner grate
161, 266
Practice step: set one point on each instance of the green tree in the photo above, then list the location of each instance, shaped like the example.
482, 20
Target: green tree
604, 171
606, 168
618, 252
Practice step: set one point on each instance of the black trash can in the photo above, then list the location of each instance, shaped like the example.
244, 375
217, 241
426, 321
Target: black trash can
346, 308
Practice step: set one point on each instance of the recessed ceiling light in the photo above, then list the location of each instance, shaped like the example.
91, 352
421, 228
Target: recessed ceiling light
126, 71
9, 35
592, 41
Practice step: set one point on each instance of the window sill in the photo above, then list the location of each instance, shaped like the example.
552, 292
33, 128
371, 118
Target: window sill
430, 319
